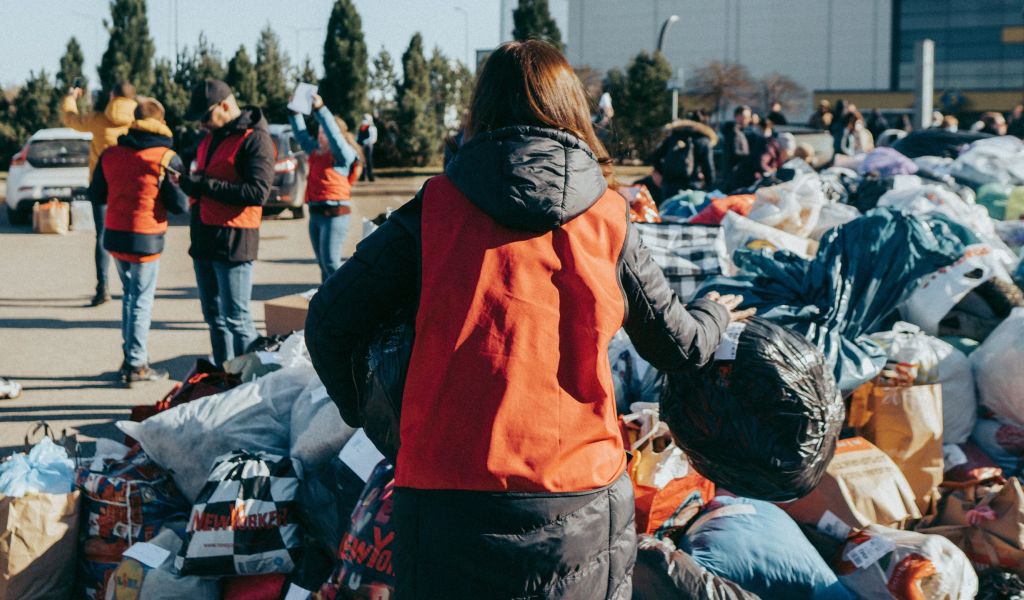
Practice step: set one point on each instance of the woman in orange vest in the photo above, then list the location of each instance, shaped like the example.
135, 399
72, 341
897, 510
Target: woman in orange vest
138, 181
334, 165
521, 265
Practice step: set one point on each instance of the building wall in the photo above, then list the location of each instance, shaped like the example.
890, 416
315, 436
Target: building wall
820, 44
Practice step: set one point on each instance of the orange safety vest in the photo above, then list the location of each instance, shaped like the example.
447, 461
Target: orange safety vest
324, 182
133, 187
509, 385
222, 166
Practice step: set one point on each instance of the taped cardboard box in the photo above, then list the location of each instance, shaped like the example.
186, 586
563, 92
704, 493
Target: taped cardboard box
861, 486
287, 314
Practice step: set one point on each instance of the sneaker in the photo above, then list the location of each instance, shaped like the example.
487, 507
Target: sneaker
9, 390
102, 297
144, 373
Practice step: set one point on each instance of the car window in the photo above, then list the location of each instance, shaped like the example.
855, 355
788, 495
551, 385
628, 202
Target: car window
58, 153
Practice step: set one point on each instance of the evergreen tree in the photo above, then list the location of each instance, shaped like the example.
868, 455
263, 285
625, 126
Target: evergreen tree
383, 83
533, 21
207, 62
346, 73
441, 85
242, 78
70, 65
129, 55
415, 115
642, 102
272, 76
33, 106
306, 73
10, 137
170, 93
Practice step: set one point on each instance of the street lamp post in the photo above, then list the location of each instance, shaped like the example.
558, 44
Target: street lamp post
298, 41
675, 84
465, 21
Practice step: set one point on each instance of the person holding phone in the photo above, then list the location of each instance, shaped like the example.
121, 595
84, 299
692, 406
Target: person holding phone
334, 164
106, 127
138, 182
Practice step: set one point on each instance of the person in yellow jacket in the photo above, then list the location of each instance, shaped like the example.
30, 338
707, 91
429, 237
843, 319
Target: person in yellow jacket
105, 128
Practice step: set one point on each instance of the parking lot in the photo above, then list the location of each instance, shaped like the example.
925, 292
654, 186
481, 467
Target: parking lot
66, 354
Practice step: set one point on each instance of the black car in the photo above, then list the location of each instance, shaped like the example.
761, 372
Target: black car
291, 168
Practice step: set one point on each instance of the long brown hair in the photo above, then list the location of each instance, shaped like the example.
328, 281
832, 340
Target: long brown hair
531, 83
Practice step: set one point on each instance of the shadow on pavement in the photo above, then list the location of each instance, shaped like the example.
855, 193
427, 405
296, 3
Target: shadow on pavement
47, 323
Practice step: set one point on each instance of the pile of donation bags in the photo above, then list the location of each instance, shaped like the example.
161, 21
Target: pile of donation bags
860, 438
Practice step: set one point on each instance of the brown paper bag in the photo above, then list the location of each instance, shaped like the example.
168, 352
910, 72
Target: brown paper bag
986, 522
51, 217
906, 424
38, 539
861, 486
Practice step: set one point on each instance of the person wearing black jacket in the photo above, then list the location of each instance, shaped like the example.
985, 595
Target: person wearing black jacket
230, 181
685, 158
520, 264
736, 144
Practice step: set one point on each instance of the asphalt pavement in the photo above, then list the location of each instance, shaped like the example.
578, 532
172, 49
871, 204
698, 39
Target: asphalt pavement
66, 353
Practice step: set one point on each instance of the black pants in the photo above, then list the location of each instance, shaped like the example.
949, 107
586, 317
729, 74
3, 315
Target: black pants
102, 257
368, 167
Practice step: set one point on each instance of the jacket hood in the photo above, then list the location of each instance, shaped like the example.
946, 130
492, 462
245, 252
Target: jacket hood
147, 133
692, 128
251, 118
120, 111
528, 178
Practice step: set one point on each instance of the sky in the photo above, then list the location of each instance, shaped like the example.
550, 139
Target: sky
36, 32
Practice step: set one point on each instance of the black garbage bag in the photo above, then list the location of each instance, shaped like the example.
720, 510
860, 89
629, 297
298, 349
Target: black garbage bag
326, 498
760, 420
936, 142
380, 367
996, 584
863, 270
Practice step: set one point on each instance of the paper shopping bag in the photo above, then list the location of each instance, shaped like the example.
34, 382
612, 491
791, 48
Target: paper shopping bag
38, 539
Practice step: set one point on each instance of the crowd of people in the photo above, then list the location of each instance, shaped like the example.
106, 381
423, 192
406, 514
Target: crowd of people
752, 149
137, 180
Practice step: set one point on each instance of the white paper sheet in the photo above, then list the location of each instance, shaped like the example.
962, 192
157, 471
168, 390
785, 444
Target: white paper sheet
302, 100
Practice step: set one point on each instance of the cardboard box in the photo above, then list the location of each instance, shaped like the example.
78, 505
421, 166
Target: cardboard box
286, 314
861, 486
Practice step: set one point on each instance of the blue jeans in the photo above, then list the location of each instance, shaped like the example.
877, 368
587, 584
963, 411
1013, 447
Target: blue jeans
328, 236
101, 256
139, 283
225, 289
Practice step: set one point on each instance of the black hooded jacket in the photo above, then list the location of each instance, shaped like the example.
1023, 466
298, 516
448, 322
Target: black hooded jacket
255, 166
527, 178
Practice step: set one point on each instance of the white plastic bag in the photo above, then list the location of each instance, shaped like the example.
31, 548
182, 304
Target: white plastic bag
793, 206
318, 432
45, 469
880, 563
81, 216
996, 159
254, 416
741, 232
999, 369
939, 292
926, 360
833, 215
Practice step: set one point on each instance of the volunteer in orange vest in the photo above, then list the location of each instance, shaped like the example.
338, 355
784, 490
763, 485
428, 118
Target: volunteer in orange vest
334, 166
520, 264
106, 127
138, 181
230, 180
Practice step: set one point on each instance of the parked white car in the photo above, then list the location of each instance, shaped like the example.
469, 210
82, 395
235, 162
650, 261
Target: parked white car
54, 163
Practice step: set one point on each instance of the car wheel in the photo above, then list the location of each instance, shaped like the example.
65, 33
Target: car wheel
299, 212
18, 217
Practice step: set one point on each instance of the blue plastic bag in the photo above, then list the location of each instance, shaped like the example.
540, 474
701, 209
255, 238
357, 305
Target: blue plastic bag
759, 547
45, 469
863, 270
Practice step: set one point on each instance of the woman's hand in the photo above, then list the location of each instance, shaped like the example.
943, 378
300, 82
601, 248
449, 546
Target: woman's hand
318, 102
731, 302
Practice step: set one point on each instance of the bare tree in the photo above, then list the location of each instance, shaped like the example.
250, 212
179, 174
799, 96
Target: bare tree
779, 88
719, 84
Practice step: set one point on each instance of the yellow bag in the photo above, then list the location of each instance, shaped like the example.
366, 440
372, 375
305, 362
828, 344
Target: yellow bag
906, 424
51, 217
38, 540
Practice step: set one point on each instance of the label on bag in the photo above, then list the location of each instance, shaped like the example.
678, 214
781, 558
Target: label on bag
730, 342
360, 455
268, 358
833, 526
297, 593
870, 552
953, 456
148, 554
